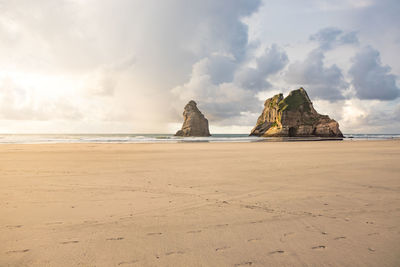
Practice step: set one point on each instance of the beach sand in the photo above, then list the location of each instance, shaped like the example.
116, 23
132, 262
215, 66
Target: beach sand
333, 203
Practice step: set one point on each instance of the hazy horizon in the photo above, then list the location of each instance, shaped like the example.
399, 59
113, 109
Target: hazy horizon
73, 67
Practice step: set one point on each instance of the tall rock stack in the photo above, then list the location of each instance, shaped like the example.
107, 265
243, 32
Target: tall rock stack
294, 116
194, 124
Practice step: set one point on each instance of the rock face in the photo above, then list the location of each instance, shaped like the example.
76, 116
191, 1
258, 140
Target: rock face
294, 116
194, 124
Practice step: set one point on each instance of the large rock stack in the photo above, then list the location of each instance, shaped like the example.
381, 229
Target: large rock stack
294, 116
194, 124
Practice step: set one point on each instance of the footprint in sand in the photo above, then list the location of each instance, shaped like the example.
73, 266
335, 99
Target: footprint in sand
340, 237
260, 221
17, 251
194, 232
14, 226
373, 234
277, 252
90, 221
154, 233
288, 234
222, 248
285, 235
127, 262
246, 263
174, 252
216, 226
319, 247
69, 242
51, 223
115, 238
125, 218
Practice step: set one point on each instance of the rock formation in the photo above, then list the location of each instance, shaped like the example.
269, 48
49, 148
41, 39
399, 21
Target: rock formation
294, 116
194, 124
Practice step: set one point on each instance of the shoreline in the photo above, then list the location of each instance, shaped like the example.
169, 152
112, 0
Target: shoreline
191, 141
165, 138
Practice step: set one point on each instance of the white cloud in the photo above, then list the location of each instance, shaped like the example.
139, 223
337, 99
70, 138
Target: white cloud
22, 103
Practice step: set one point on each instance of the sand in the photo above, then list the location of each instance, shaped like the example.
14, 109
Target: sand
333, 203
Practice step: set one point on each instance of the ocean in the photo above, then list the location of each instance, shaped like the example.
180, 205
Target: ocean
161, 138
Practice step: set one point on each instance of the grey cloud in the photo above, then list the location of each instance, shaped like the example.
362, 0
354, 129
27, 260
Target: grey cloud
371, 79
272, 61
382, 16
349, 38
377, 24
320, 81
220, 22
252, 79
397, 112
326, 37
219, 67
331, 37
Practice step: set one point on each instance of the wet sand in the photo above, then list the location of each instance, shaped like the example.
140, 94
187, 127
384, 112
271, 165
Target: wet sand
334, 203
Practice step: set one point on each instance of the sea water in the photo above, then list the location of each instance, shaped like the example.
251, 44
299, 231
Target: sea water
161, 138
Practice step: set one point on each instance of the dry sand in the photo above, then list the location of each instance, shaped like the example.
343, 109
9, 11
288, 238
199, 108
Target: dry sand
261, 204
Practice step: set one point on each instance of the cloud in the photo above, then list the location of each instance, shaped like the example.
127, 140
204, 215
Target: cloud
136, 63
103, 81
19, 103
124, 56
371, 79
217, 101
79, 36
228, 100
370, 116
321, 82
331, 37
273, 60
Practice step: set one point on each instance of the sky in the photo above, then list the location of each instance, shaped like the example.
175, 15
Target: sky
126, 66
